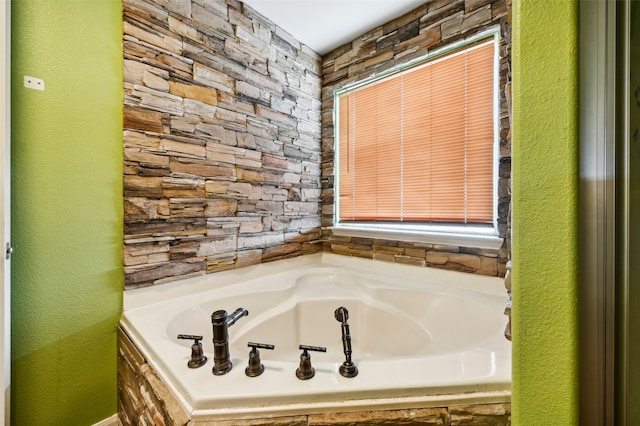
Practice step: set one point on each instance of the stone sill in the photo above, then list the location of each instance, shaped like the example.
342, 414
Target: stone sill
475, 237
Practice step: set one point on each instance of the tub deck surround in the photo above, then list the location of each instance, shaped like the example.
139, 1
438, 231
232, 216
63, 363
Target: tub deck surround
420, 337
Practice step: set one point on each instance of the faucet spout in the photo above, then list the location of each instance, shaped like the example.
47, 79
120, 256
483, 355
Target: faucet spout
236, 315
221, 321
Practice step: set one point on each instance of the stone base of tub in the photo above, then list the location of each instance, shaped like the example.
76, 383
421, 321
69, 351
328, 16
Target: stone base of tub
144, 399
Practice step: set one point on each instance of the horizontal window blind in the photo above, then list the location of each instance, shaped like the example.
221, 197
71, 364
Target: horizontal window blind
419, 146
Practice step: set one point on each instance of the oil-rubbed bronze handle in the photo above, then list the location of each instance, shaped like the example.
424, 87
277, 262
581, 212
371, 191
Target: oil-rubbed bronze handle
312, 348
260, 345
255, 367
305, 370
197, 354
190, 337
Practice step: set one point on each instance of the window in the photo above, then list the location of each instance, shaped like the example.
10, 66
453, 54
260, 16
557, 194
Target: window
417, 148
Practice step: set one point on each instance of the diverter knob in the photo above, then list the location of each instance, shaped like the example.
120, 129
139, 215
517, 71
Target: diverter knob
197, 354
305, 370
255, 367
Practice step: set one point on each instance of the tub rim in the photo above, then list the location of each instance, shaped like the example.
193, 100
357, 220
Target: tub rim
180, 286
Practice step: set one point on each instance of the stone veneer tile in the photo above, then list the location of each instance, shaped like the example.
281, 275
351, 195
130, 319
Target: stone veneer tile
275, 421
143, 397
481, 415
419, 416
410, 260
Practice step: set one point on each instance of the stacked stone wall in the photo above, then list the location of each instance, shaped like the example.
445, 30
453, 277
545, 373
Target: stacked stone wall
229, 136
221, 140
432, 26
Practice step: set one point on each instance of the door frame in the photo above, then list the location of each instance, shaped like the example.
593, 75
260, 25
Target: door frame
598, 222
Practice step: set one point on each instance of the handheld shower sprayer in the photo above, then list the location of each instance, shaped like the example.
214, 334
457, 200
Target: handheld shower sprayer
348, 368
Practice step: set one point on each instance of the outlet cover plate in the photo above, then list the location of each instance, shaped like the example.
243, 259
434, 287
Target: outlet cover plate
33, 83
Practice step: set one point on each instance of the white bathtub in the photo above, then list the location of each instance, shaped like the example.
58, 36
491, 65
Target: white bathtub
420, 337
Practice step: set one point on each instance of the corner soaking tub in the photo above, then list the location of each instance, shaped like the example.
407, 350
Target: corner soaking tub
419, 337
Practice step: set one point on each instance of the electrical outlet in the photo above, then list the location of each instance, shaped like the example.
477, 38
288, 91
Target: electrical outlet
33, 83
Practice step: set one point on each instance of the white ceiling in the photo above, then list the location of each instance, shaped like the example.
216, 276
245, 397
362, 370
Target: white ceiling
324, 25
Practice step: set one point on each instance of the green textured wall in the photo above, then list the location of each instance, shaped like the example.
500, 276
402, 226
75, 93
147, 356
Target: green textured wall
67, 210
544, 186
